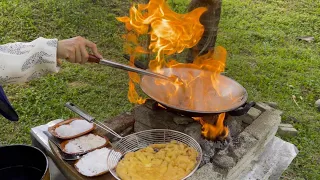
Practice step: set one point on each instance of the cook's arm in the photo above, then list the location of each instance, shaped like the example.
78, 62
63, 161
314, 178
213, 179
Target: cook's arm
23, 61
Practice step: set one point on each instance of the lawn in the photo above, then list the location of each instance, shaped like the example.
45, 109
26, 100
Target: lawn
263, 55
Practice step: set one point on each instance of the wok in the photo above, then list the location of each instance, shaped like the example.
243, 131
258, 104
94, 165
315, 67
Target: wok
224, 95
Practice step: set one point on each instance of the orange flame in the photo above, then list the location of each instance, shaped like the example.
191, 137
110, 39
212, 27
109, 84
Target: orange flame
213, 130
171, 33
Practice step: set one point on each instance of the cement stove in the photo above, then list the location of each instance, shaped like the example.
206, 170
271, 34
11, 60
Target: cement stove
251, 150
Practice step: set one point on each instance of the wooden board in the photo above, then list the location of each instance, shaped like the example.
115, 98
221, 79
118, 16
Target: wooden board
68, 169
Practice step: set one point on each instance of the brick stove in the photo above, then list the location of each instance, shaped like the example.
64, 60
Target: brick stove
251, 150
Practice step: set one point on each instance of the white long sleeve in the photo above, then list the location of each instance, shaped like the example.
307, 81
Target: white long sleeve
21, 62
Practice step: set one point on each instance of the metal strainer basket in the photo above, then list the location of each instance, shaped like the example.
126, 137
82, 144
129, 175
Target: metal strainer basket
143, 139
139, 140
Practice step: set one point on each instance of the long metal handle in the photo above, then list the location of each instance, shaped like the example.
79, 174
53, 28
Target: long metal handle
91, 119
75, 109
95, 59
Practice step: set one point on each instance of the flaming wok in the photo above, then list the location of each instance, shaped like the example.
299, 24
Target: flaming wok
203, 92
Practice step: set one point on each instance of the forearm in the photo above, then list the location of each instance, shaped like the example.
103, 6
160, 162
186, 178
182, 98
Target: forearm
22, 62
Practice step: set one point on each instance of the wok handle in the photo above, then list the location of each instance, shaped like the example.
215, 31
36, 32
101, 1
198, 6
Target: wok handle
242, 110
93, 59
113, 64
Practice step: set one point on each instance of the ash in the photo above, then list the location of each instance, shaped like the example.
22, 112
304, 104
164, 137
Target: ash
210, 148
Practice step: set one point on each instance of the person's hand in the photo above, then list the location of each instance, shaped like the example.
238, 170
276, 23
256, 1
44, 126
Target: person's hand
74, 49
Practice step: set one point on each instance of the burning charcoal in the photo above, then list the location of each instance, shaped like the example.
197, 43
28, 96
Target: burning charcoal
223, 159
220, 145
207, 147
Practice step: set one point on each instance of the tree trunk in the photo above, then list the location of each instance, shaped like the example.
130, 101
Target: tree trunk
210, 20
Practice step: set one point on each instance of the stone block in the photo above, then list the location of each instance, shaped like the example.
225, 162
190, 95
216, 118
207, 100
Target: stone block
286, 125
140, 127
157, 119
121, 122
118, 123
127, 131
242, 144
276, 157
254, 113
287, 131
206, 172
265, 126
124, 133
258, 134
246, 119
262, 106
223, 161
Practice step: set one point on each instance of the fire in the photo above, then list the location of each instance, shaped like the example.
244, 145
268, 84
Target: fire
171, 33
213, 130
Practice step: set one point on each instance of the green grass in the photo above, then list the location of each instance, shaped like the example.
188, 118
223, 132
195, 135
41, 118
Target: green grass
263, 55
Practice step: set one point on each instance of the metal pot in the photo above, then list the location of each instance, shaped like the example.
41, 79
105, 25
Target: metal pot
22, 162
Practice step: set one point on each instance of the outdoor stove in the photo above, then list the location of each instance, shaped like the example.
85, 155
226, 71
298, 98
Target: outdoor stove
152, 115
233, 154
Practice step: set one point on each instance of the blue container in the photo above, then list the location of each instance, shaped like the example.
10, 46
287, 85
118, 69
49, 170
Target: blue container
5, 107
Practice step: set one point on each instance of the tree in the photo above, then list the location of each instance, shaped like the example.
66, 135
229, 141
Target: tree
210, 20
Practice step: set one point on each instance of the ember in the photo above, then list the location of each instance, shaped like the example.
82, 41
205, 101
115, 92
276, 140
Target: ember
171, 33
